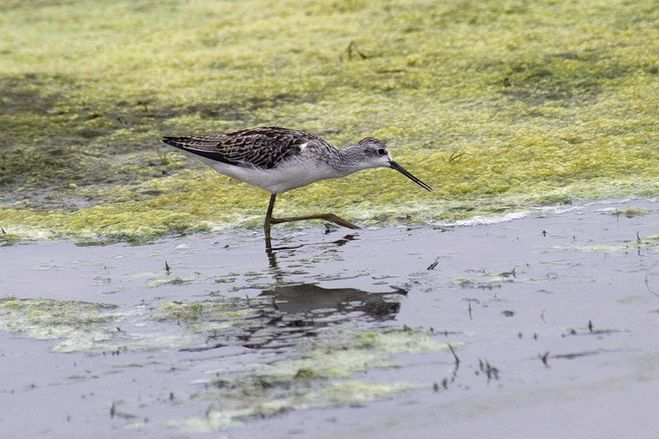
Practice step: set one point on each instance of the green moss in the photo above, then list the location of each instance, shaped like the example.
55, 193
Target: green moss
492, 103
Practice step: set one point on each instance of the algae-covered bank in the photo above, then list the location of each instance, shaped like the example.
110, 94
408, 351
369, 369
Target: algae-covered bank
499, 105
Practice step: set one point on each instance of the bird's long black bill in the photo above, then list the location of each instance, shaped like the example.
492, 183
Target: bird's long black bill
409, 175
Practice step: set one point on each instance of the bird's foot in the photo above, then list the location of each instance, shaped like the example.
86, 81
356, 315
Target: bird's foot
324, 216
340, 221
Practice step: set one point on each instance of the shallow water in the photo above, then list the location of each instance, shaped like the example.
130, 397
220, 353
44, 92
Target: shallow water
550, 316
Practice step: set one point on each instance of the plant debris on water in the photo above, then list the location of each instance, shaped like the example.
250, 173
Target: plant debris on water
317, 373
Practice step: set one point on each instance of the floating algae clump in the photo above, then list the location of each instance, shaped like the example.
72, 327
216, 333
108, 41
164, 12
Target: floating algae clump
639, 244
81, 326
499, 105
317, 376
350, 392
630, 212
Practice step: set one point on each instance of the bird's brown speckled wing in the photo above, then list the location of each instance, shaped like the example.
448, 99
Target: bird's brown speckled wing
262, 147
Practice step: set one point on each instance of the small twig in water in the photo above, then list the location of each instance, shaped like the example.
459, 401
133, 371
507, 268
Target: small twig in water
457, 360
647, 283
544, 357
489, 370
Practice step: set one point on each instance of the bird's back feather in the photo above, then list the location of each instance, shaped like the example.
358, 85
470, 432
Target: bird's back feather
262, 147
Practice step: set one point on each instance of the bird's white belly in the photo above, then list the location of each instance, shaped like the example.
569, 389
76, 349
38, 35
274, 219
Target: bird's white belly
282, 178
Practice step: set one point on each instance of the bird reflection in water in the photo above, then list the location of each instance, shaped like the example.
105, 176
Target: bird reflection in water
315, 301
287, 311
299, 311
291, 310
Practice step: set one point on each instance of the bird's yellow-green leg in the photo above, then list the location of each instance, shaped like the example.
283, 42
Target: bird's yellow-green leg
324, 216
268, 218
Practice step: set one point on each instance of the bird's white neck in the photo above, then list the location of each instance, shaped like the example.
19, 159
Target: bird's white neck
350, 159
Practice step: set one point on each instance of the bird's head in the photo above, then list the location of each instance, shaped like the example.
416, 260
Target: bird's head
375, 154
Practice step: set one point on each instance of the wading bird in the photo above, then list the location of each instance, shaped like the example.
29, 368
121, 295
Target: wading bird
281, 159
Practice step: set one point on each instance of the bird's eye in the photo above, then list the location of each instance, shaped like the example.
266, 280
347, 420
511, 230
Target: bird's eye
382, 151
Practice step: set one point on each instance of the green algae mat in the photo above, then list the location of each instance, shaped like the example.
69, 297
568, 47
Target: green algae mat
499, 105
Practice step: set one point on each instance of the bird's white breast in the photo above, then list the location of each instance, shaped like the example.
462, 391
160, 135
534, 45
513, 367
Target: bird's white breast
285, 176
